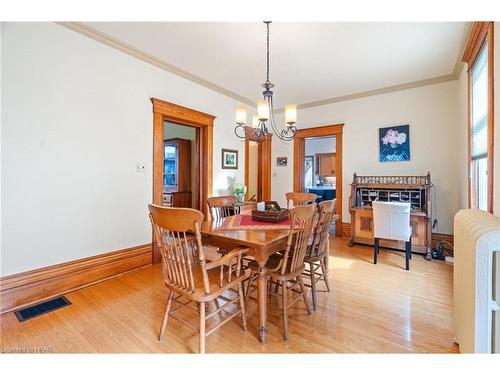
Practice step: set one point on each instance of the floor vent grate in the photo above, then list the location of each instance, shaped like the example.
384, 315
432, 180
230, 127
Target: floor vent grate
41, 308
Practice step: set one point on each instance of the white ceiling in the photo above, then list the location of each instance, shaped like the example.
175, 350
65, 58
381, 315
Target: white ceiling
309, 61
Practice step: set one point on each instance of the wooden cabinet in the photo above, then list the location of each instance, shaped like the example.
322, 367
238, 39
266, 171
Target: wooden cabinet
325, 164
177, 199
177, 173
415, 190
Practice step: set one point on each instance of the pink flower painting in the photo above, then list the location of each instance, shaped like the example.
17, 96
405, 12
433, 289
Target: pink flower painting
394, 143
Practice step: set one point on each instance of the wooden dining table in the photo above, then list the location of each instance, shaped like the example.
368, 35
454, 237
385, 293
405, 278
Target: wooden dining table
261, 244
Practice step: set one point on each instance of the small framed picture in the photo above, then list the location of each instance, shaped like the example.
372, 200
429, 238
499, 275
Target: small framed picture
229, 159
282, 161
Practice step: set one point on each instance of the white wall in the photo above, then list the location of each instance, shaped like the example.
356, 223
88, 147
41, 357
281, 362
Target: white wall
320, 145
432, 115
76, 118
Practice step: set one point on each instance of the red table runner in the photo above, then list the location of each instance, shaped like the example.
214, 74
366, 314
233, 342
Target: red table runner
245, 222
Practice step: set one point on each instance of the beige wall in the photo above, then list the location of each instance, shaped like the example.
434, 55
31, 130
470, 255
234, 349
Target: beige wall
432, 114
76, 119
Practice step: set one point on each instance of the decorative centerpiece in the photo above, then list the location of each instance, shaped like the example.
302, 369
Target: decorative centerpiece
240, 191
273, 213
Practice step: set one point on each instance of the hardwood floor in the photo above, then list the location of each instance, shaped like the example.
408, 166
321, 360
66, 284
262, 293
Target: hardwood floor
372, 308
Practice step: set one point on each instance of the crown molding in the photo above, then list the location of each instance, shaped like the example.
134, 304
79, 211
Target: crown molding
117, 44
135, 52
459, 64
380, 91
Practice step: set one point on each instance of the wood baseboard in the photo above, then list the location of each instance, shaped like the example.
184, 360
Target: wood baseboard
27, 288
346, 229
445, 239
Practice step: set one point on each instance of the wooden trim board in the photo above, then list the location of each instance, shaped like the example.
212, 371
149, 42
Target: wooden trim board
203, 122
27, 288
346, 229
481, 33
299, 154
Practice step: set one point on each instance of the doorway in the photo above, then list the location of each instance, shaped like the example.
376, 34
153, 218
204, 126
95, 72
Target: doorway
165, 112
318, 164
180, 166
258, 168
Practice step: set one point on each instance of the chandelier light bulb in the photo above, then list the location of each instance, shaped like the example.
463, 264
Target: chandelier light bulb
241, 115
263, 110
291, 114
255, 121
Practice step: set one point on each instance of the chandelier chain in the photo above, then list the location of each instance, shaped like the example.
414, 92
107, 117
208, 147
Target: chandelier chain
267, 57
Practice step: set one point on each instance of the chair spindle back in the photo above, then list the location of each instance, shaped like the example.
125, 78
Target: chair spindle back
221, 207
177, 232
301, 228
299, 198
326, 210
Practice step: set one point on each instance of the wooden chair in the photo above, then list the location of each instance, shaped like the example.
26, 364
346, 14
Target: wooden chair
391, 221
221, 207
317, 253
187, 274
288, 268
299, 199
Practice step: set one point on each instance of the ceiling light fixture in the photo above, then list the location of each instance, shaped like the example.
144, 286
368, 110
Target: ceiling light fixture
265, 114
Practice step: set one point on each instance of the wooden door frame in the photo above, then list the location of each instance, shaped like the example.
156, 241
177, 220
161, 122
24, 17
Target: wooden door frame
264, 166
298, 161
204, 123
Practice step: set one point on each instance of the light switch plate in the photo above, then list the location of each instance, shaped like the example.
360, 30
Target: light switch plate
140, 167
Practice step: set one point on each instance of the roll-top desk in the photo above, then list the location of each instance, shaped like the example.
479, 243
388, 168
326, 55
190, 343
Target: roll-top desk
415, 190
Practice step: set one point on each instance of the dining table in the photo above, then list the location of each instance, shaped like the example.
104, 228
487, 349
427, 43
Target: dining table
261, 240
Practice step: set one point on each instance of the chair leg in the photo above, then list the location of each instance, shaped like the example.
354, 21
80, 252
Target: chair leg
303, 288
202, 328
285, 308
165, 316
242, 306
313, 284
375, 250
249, 286
277, 288
408, 252
325, 274
410, 247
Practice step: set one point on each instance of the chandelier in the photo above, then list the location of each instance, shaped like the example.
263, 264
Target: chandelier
264, 119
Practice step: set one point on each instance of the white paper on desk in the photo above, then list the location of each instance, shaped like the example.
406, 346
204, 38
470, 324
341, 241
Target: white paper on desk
261, 206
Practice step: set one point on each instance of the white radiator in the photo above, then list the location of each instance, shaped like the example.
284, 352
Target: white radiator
476, 281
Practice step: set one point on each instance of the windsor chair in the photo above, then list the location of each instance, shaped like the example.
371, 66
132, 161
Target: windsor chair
317, 252
188, 275
287, 268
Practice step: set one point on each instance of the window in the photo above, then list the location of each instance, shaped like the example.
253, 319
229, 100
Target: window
170, 165
479, 131
478, 55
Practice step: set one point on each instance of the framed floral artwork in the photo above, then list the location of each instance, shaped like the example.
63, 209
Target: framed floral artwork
394, 143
